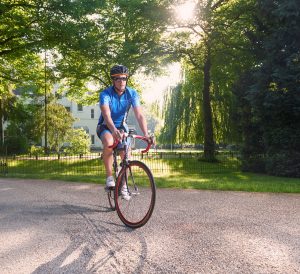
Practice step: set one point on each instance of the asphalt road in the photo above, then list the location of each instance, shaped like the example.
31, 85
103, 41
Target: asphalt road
59, 227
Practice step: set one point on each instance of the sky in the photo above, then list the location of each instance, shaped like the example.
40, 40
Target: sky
154, 87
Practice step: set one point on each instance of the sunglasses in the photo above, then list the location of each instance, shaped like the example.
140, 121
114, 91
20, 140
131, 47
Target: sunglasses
118, 79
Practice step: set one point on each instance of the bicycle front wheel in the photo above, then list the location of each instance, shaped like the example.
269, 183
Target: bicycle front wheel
136, 208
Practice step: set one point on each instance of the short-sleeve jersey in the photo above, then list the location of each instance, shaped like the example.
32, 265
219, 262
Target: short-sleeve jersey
119, 105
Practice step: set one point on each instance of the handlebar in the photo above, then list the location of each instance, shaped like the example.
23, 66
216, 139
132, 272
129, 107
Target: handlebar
116, 142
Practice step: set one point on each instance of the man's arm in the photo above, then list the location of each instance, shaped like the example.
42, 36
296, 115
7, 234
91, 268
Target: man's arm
141, 120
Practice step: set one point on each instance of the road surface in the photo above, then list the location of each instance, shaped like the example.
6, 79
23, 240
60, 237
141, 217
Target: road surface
61, 227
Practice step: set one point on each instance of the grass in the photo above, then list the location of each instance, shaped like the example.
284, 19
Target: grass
168, 173
234, 181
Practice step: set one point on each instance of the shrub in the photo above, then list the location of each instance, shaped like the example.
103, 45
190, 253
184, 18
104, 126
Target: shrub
78, 142
285, 163
36, 150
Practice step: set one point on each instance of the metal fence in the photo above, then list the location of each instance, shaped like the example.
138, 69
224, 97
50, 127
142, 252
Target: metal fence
92, 164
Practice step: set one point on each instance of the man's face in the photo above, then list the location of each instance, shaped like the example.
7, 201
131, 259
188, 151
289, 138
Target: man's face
120, 82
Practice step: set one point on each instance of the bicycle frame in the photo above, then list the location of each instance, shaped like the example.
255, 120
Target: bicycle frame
127, 139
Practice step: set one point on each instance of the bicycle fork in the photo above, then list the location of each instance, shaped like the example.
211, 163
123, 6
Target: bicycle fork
131, 178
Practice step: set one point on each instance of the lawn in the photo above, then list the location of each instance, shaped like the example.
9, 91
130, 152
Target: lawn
235, 181
168, 173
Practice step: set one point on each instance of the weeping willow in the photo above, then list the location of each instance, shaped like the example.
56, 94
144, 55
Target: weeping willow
183, 112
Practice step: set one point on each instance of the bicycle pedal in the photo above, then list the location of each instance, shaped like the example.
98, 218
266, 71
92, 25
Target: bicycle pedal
108, 189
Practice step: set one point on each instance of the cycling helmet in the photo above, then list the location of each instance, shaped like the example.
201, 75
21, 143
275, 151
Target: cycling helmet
118, 69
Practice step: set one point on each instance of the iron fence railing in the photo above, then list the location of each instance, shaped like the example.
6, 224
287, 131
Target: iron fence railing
92, 164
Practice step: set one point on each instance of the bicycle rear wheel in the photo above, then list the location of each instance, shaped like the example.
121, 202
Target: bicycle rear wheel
138, 180
111, 198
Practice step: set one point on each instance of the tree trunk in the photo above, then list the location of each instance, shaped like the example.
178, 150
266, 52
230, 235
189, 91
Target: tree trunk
209, 149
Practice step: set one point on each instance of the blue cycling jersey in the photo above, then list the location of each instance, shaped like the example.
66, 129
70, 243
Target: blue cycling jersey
119, 105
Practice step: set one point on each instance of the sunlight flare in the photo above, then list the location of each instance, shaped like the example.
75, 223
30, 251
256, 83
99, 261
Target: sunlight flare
185, 12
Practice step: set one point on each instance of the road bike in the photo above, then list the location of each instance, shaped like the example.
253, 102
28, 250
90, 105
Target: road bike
135, 177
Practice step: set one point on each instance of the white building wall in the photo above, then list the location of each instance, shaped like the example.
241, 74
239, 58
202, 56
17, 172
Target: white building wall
86, 118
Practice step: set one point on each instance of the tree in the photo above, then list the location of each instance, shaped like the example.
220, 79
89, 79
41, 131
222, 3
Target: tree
25, 71
32, 25
59, 122
82, 39
273, 95
183, 118
6, 105
204, 28
78, 141
127, 32
20, 132
211, 45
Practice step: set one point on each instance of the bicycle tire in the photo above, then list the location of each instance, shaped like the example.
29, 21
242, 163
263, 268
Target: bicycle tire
111, 191
137, 211
111, 198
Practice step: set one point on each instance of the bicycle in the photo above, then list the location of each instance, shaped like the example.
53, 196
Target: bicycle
137, 178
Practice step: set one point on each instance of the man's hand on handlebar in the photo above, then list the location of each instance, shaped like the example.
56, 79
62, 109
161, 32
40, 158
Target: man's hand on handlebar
118, 134
151, 139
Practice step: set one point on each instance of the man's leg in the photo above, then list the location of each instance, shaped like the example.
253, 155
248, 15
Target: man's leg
107, 140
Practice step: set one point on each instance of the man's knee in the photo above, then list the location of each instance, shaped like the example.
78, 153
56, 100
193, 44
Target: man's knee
107, 140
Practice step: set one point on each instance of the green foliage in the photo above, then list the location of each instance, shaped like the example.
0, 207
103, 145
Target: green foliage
82, 40
15, 141
271, 99
78, 141
30, 25
36, 150
283, 163
181, 120
126, 32
19, 132
241, 61
24, 76
221, 43
58, 123
253, 69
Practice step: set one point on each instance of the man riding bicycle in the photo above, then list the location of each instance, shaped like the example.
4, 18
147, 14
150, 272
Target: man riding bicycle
115, 103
